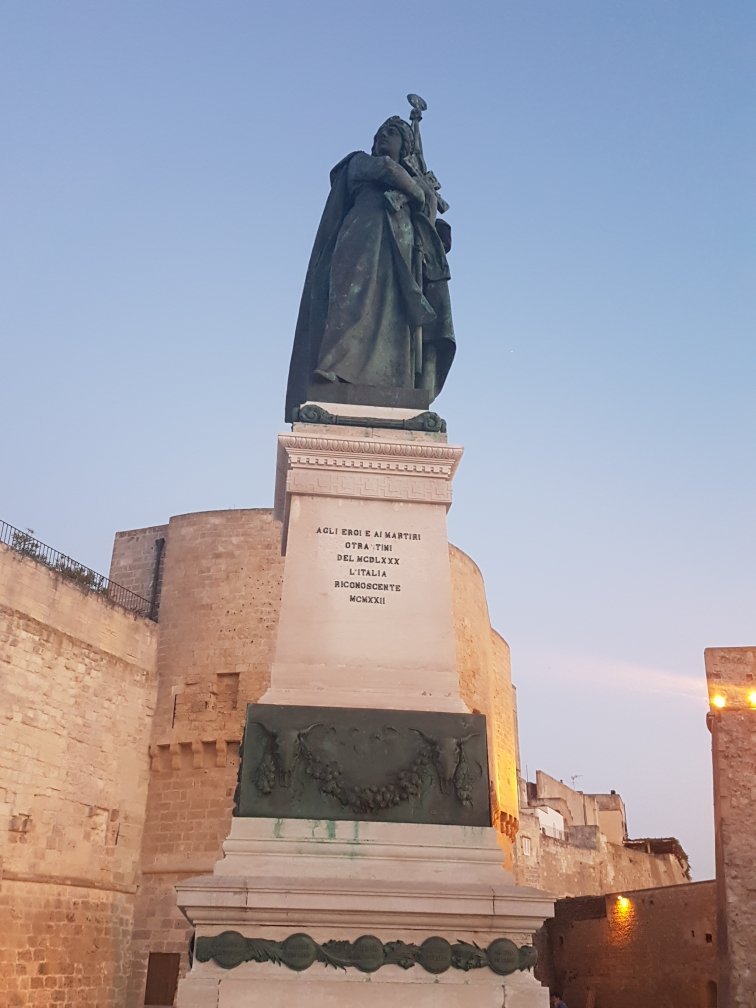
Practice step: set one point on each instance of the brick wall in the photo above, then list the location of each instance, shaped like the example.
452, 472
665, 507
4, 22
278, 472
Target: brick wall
731, 674
78, 683
648, 947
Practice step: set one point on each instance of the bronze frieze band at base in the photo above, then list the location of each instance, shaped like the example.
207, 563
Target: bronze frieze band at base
366, 954
429, 422
359, 764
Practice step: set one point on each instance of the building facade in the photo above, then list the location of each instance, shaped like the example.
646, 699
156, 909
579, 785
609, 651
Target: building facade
575, 844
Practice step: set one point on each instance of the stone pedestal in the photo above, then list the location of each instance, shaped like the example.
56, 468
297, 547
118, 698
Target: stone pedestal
366, 614
340, 881
377, 913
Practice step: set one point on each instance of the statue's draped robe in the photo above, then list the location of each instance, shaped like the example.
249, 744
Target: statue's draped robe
361, 301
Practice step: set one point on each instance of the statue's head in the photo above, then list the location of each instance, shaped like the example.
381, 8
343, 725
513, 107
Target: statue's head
394, 139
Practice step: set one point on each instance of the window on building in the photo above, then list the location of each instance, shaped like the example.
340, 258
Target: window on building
162, 979
526, 846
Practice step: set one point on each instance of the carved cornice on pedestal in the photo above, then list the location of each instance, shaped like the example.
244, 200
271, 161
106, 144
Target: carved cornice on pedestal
331, 466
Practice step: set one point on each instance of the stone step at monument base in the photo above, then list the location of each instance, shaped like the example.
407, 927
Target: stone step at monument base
380, 912
390, 987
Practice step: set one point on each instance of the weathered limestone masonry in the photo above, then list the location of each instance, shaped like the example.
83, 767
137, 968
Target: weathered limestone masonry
649, 947
589, 853
221, 590
586, 863
485, 679
78, 685
138, 561
731, 679
219, 604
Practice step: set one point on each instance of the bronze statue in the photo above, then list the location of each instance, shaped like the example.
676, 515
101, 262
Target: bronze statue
375, 309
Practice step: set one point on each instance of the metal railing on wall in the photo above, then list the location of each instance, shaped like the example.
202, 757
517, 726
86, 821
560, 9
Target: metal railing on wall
25, 544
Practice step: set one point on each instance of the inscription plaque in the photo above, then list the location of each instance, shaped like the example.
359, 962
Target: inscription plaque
370, 562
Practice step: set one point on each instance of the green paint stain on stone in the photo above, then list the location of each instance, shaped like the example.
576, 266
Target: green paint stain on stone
354, 840
278, 828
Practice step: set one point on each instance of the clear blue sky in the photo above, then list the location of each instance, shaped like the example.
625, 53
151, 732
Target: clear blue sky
165, 165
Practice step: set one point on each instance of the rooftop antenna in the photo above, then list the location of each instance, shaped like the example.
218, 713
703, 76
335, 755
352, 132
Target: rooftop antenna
575, 777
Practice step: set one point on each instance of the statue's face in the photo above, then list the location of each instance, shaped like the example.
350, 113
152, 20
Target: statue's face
388, 142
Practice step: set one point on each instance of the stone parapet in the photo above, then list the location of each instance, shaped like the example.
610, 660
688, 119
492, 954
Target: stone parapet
59, 604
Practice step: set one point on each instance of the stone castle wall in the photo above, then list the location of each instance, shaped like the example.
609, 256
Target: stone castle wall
136, 555
485, 677
731, 674
649, 947
78, 684
221, 590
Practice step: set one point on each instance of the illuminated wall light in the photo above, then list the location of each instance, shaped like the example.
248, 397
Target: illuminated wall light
621, 921
718, 701
752, 698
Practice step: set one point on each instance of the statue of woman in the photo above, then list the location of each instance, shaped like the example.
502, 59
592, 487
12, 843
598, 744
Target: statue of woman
375, 308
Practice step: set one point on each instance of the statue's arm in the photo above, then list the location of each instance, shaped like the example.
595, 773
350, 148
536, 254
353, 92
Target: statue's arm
384, 171
399, 178
431, 201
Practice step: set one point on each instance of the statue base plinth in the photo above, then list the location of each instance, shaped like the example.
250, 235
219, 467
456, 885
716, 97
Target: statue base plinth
285, 989
341, 881
339, 913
